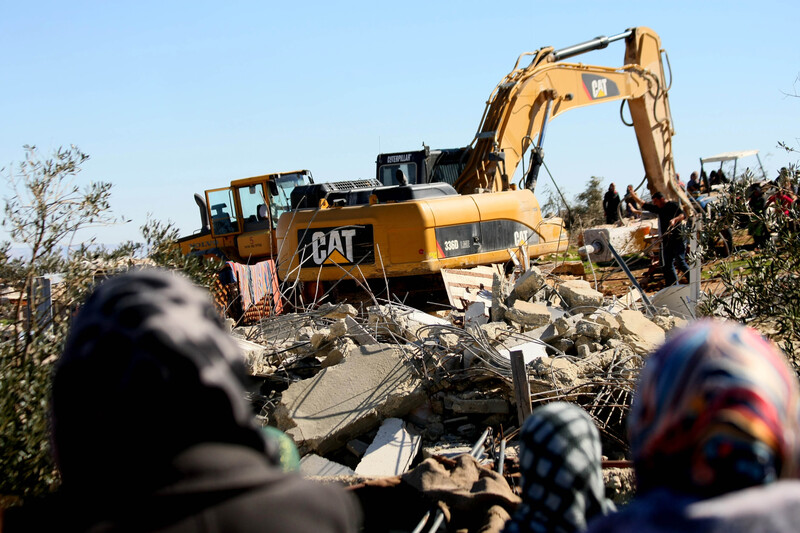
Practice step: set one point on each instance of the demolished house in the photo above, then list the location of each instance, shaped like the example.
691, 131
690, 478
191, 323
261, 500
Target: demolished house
372, 394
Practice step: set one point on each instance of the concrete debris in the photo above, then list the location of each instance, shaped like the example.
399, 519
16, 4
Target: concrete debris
337, 311
392, 451
403, 321
587, 328
528, 314
530, 350
501, 290
642, 334
529, 283
344, 401
578, 293
335, 379
312, 465
336, 352
675, 299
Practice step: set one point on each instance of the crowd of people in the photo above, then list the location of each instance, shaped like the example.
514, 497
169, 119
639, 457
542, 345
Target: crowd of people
151, 432
766, 201
670, 218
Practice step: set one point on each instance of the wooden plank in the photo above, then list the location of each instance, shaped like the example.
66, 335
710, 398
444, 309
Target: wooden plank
522, 387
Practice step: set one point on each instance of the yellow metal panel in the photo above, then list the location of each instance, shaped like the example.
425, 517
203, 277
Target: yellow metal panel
255, 244
410, 232
452, 210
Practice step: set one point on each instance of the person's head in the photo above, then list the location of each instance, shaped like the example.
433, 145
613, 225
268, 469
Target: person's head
630, 188
148, 371
562, 478
715, 410
658, 199
694, 175
612, 188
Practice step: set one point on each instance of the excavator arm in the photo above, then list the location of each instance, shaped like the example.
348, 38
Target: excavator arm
521, 105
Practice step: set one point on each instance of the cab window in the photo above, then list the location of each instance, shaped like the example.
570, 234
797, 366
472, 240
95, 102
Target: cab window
281, 199
388, 173
254, 207
223, 211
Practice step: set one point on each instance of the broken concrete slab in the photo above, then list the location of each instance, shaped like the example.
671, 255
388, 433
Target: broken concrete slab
500, 291
402, 320
609, 322
531, 350
588, 328
642, 334
312, 465
344, 401
546, 333
495, 330
566, 325
528, 314
579, 293
529, 283
391, 452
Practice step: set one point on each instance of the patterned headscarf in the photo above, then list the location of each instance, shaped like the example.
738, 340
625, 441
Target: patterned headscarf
716, 410
148, 371
562, 478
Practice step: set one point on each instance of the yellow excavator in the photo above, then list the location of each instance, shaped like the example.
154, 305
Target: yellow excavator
457, 208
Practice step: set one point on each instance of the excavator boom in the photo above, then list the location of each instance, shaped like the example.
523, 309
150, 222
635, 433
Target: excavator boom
521, 105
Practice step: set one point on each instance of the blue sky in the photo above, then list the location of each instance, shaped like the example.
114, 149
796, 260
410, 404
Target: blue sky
171, 98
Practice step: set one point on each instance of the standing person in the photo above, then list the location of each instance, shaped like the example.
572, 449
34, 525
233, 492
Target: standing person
632, 202
714, 432
151, 430
673, 243
693, 187
757, 226
611, 203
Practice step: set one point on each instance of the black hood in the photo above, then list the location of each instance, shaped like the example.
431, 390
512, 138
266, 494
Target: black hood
148, 370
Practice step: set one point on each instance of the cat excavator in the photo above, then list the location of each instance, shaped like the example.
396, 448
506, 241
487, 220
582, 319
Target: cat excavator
458, 208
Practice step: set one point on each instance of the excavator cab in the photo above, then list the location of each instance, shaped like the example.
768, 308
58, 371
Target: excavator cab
239, 221
421, 166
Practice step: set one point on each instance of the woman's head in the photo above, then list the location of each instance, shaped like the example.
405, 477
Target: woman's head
562, 479
715, 410
148, 370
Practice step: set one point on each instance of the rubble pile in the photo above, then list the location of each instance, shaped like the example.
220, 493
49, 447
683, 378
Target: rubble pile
333, 377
